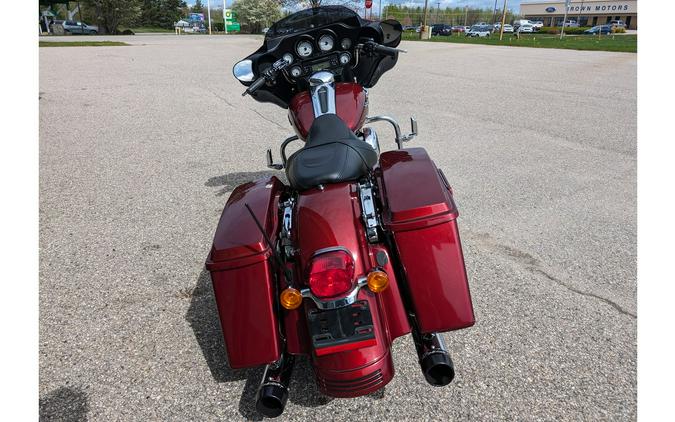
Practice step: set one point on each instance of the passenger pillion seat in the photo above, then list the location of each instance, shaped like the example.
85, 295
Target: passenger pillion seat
332, 154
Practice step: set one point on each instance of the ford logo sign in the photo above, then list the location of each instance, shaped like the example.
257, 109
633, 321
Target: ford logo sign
550, 9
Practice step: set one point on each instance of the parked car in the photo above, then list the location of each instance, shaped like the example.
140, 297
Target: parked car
441, 29
74, 27
518, 22
571, 24
479, 31
536, 25
507, 27
602, 29
526, 28
617, 24
458, 29
410, 28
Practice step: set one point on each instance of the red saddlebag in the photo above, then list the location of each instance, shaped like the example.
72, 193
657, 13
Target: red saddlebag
241, 272
420, 212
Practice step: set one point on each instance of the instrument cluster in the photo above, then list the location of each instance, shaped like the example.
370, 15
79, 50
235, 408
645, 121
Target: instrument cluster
312, 54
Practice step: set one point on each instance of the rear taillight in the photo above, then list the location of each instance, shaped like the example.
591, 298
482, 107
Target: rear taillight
331, 274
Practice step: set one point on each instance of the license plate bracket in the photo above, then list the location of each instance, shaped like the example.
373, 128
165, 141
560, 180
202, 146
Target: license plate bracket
336, 330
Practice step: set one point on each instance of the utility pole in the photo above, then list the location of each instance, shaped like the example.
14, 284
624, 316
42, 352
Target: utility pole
466, 14
494, 14
208, 12
501, 27
380, 12
424, 20
438, 10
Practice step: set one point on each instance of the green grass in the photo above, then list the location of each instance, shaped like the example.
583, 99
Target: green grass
151, 29
81, 43
621, 43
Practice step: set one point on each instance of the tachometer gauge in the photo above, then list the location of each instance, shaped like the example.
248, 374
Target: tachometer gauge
288, 57
304, 49
346, 43
326, 43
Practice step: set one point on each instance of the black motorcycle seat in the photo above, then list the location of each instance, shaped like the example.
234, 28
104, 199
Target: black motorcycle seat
332, 154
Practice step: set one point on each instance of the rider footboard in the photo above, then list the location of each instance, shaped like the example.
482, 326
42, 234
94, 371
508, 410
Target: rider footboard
421, 215
240, 264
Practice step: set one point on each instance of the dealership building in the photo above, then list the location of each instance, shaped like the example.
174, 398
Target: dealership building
586, 13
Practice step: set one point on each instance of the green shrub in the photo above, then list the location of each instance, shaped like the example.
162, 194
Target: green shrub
218, 26
556, 30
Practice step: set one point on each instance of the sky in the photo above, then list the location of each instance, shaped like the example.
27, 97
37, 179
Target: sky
483, 4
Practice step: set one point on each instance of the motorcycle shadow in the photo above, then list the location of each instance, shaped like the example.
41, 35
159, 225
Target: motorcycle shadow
202, 315
227, 182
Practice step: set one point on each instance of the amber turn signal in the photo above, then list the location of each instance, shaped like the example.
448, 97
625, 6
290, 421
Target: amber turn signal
290, 298
377, 281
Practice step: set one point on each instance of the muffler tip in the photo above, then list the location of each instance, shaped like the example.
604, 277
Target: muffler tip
438, 369
271, 400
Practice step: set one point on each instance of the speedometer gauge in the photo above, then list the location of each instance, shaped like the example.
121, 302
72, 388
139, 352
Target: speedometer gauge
326, 43
288, 57
304, 49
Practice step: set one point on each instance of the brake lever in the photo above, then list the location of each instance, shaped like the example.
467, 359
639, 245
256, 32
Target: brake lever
370, 47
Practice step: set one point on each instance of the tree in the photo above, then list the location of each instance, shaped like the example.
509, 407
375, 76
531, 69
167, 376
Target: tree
257, 13
198, 7
110, 14
160, 13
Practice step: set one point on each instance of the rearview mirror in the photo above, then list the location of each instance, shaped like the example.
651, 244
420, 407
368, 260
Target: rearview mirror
391, 31
243, 70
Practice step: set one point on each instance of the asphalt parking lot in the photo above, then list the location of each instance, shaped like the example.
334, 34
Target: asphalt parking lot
140, 147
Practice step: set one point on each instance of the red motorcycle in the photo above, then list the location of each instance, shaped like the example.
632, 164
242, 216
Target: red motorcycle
360, 248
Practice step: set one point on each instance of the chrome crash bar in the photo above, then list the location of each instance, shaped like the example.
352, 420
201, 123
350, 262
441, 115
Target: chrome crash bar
400, 139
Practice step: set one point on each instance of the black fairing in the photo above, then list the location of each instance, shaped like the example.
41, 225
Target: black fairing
283, 36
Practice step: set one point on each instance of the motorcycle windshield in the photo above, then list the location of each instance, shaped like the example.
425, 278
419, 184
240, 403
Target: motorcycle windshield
313, 18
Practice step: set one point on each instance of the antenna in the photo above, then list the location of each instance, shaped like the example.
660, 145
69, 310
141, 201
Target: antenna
277, 258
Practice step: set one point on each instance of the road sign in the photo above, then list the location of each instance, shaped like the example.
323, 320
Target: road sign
231, 23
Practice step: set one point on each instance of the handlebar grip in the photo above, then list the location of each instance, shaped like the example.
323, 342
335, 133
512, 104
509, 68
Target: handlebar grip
383, 49
255, 86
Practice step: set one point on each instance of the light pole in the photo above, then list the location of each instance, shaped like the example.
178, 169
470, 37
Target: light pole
466, 14
438, 10
208, 12
562, 30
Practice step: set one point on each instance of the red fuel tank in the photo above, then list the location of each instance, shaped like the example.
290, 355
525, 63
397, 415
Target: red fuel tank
351, 105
